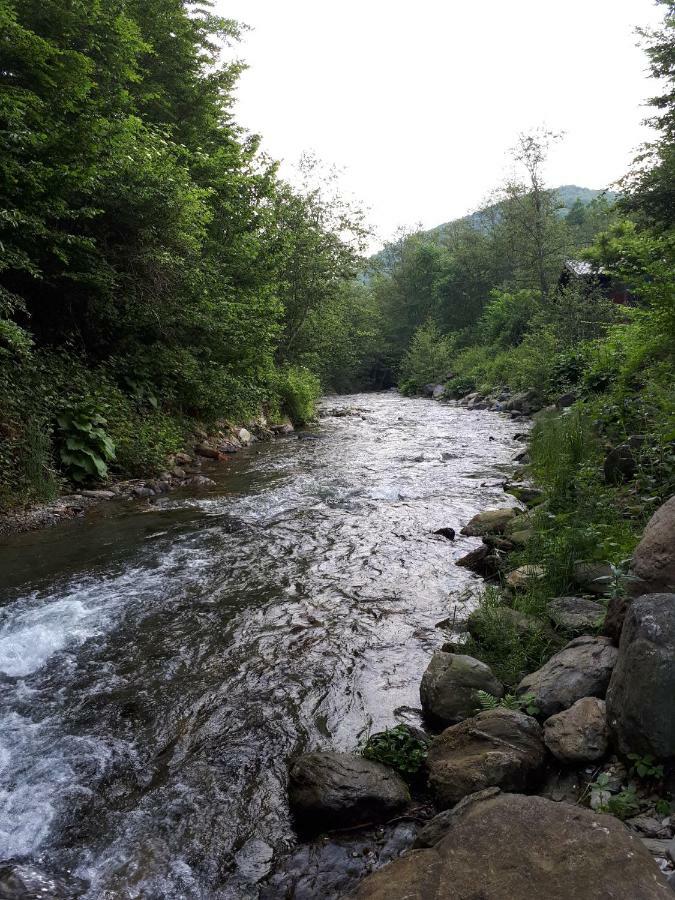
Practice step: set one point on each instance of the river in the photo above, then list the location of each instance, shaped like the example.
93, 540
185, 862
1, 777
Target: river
159, 663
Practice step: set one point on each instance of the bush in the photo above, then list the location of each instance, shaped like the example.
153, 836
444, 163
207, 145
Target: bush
297, 390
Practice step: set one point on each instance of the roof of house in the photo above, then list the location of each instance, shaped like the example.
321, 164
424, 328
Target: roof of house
581, 268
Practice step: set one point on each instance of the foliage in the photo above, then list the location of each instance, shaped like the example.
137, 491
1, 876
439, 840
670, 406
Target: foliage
525, 703
398, 747
147, 247
86, 448
622, 804
645, 766
427, 359
298, 390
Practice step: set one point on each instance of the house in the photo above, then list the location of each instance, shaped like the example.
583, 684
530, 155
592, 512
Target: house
578, 271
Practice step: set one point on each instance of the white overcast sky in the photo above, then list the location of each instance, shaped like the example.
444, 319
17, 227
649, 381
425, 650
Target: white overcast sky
419, 102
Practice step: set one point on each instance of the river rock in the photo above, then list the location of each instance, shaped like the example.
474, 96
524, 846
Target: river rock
526, 402
654, 558
566, 400
182, 459
438, 391
437, 827
497, 748
522, 577
482, 560
526, 493
287, 428
333, 790
513, 847
641, 695
581, 669
446, 532
579, 734
522, 537
449, 685
207, 451
593, 577
490, 521
245, 437
576, 614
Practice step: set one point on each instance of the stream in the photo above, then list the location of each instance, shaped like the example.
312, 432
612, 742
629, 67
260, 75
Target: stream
160, 662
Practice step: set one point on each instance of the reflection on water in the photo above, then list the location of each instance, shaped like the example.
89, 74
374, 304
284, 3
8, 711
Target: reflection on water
159, 664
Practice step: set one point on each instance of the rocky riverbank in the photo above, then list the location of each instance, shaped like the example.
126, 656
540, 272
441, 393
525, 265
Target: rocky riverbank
183, 470
557, 784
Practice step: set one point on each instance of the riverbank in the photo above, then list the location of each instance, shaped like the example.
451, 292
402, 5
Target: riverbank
519, 689
182, 469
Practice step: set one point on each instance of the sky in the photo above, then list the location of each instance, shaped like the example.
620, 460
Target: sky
418, 103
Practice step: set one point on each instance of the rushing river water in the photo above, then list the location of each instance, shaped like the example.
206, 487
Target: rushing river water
159, 663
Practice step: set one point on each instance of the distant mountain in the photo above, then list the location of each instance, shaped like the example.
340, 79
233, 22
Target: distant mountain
568, 194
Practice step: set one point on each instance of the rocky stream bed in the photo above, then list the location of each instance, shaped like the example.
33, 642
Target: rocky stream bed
172, 664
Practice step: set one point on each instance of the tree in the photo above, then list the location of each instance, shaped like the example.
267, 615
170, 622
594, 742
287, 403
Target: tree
529, 232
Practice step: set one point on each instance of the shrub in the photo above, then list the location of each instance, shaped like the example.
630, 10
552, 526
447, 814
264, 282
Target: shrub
298, 389
86, 447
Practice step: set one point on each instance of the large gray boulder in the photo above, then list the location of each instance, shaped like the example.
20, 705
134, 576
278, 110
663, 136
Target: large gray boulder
576, 614
579, 734
512, 847
497, 748
641, 695
449, 685
654, 557
581, 669
330, 790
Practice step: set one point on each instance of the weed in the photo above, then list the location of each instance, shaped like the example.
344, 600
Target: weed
399, 748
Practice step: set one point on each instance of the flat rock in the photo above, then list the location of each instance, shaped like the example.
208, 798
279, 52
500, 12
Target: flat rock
490, 521
513, 847
497, 748
581, 669
579, 734
333, 790
576, 614
654, 557
641, 695
449, 685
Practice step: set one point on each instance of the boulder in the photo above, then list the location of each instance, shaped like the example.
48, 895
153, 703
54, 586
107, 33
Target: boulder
579, 734
511, 847
522, 537
581, 669
497, 748
654, 557
446, 532
641, 695
333, 790
526, 493
244, 436
522, 577
526, 402
612, 625
438, 391
576, 614
593, 577
207, 451
438, 827
449, 685
182, 459
482, 560
490, 521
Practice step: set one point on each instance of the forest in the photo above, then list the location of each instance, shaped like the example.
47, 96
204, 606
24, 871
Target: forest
156, 271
